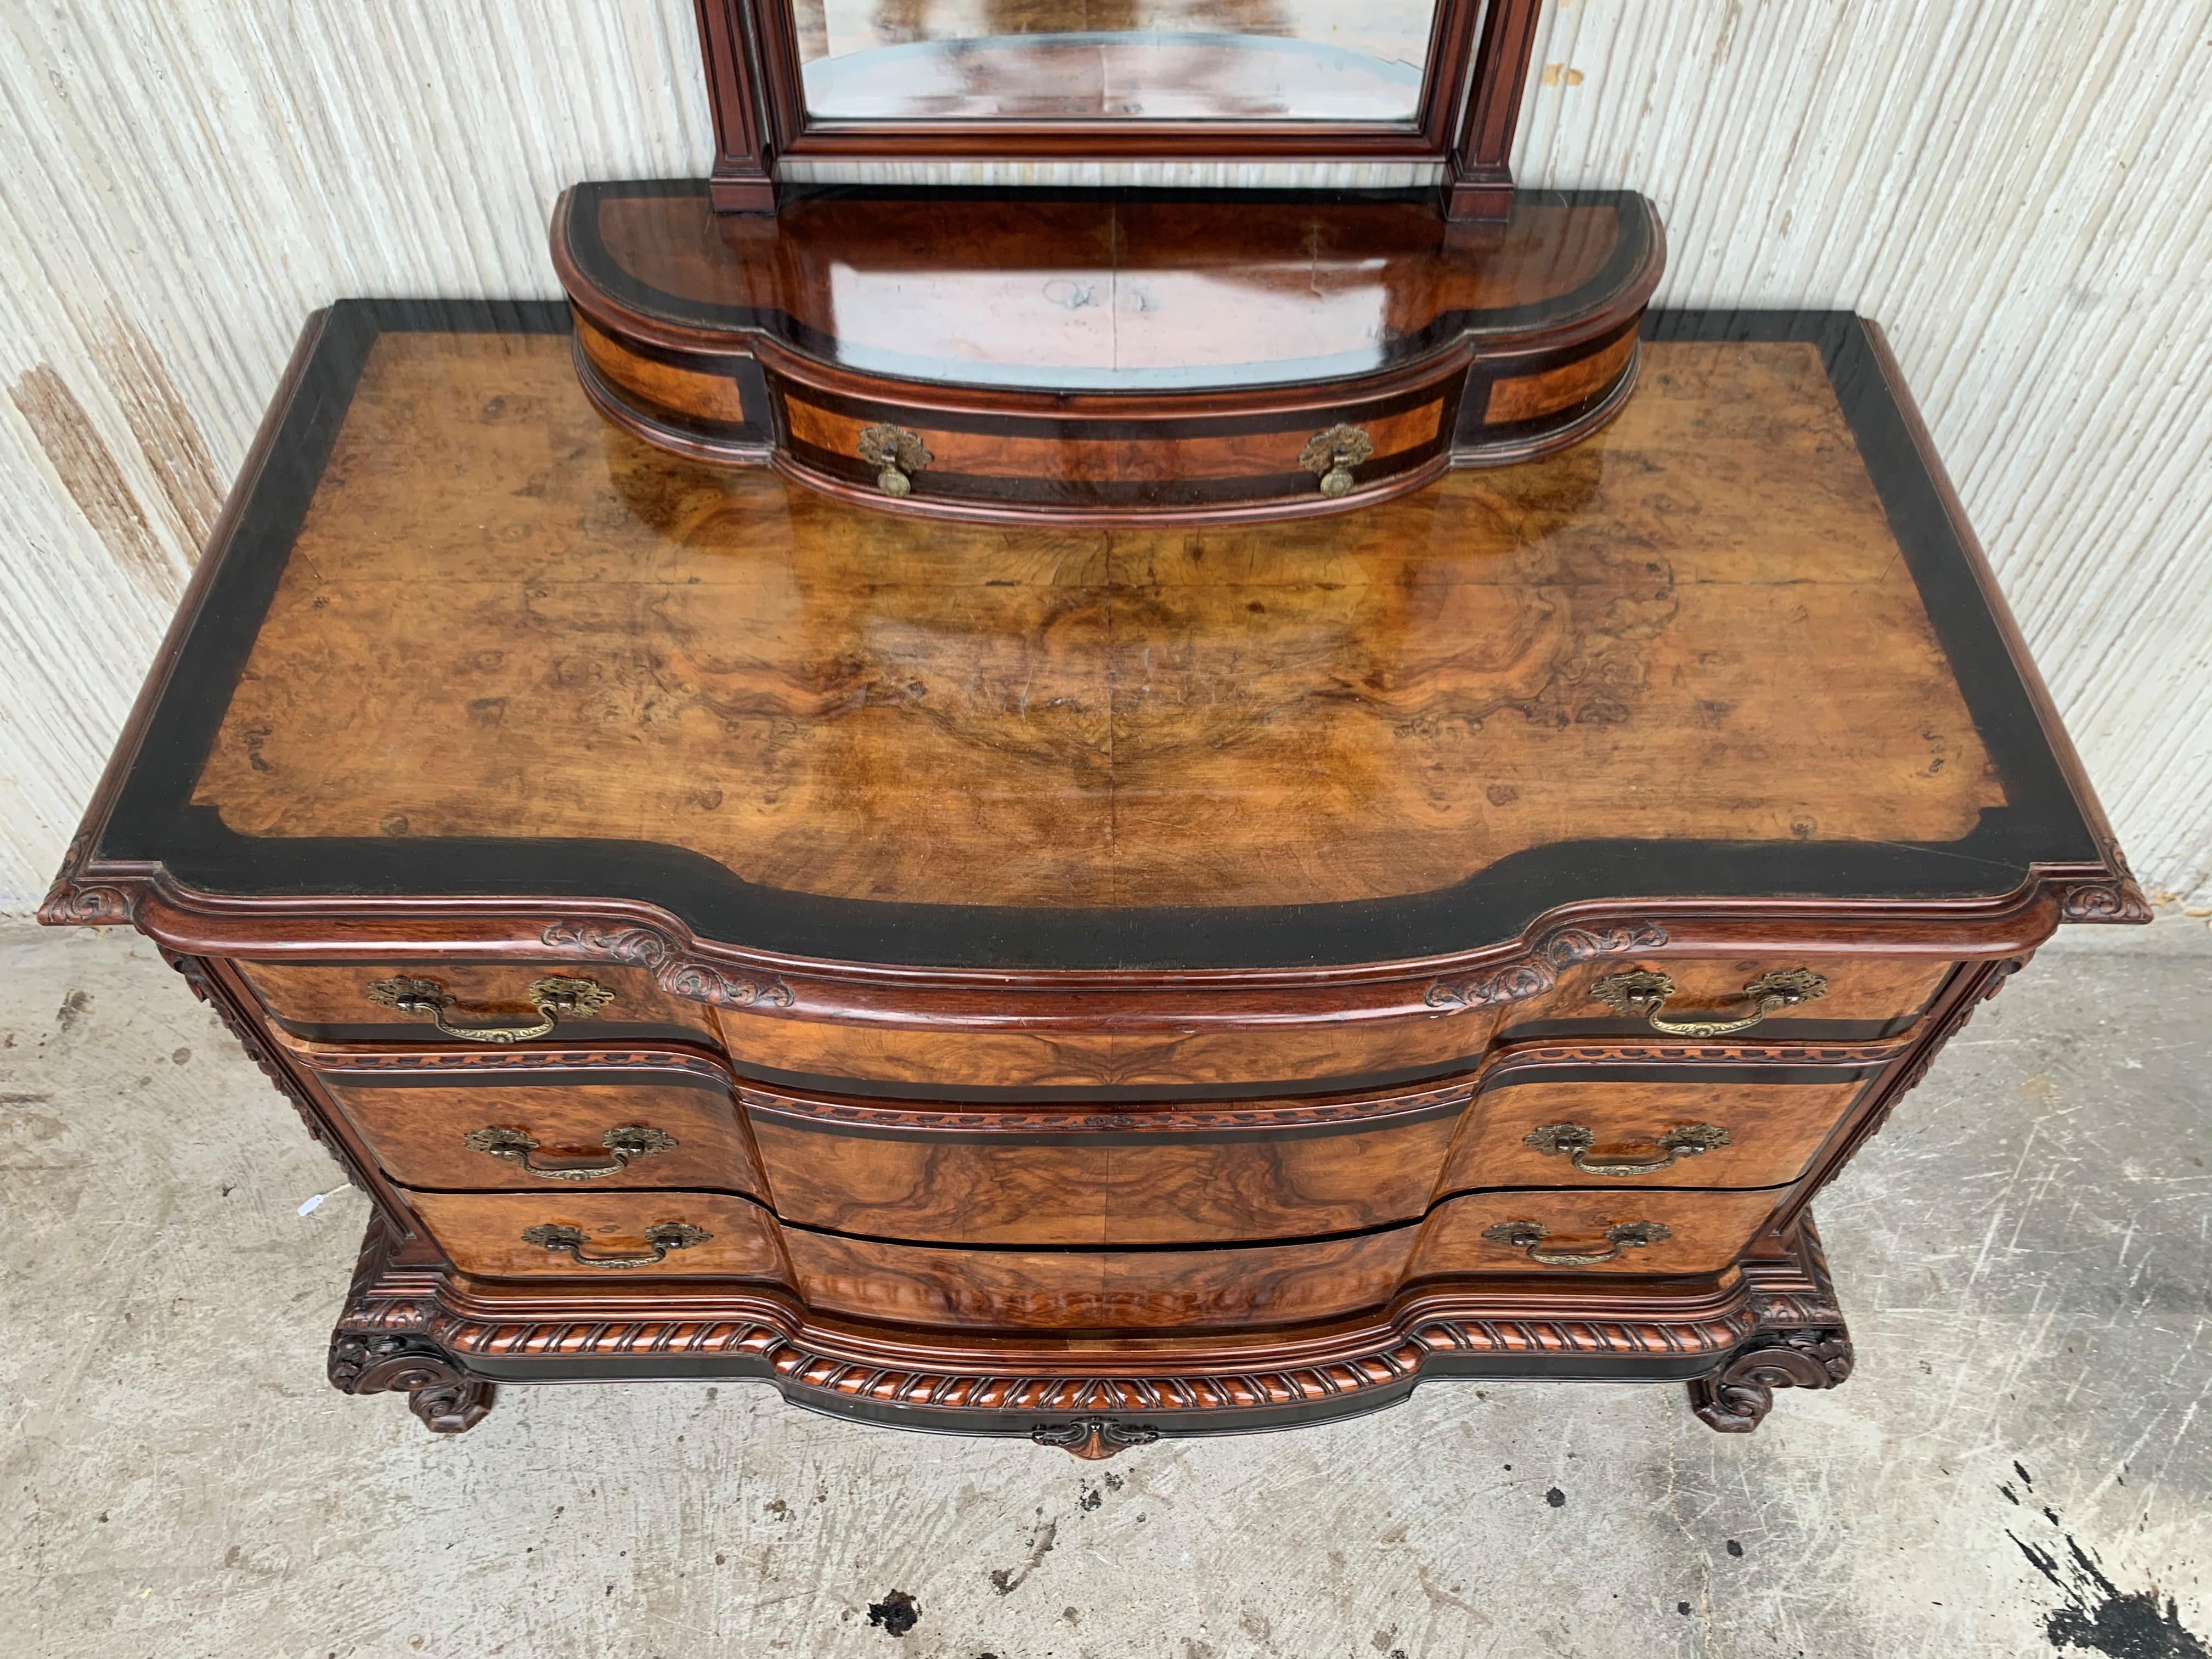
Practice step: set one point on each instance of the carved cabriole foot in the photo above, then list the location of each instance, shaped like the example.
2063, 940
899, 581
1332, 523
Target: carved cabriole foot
1800, 1343
1094, 1439
378, 1346
448, 1401
1737, 1399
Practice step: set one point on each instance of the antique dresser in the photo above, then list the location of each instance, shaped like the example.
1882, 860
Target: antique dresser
1088, 904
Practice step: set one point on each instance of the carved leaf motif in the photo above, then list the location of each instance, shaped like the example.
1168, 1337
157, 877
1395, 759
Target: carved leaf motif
698, 982
643, 947
1538, 971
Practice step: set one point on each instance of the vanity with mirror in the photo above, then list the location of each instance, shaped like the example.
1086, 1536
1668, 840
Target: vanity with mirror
1104, 746
1019, 261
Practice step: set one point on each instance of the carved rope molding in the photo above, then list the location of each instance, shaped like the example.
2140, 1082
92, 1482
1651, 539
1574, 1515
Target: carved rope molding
792, 1364
1537, 970
677, 972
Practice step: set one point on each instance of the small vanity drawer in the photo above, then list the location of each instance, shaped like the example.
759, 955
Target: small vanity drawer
490, 1003
1584, 1232
1719, 1125
1216, 1173
536, 1129
612, 1236
1759, 998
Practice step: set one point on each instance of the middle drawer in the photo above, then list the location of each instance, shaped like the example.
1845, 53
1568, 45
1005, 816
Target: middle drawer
524, 1121
1671, 1125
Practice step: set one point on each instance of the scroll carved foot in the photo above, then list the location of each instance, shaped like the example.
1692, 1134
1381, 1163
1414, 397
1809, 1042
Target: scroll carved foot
1736, 1400
445, 1398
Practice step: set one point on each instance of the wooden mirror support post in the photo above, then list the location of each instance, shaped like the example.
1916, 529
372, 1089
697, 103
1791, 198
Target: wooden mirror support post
1456, 131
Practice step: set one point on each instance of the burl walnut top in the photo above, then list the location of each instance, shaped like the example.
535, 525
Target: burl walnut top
470, 638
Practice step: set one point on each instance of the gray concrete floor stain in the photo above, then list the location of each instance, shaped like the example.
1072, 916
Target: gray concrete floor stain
2020, 1466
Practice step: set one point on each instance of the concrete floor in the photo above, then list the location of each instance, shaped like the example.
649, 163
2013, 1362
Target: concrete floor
2021, 1463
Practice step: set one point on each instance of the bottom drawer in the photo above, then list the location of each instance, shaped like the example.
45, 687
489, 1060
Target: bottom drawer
1597, 1232
1563, 1233
602, 1235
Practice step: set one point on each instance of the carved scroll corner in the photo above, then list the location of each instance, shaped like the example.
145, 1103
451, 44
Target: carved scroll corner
72, 902
1094, 1438
2116, 897
1536, 970
2121, 901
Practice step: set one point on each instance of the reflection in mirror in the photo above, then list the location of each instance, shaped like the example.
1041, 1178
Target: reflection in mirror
1162, 60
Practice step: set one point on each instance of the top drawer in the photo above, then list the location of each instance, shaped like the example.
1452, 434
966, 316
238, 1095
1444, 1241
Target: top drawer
503, 1003
1857, 999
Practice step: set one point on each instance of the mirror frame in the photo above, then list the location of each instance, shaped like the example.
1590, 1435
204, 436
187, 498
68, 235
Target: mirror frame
1478, 68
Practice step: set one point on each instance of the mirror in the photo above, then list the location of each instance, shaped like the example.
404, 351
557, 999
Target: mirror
1148, 60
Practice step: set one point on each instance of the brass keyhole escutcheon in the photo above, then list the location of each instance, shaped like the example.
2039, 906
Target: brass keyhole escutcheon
897, 453
1332, 455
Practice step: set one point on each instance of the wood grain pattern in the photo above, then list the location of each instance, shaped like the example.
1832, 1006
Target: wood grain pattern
1373, 706
1279, 1052
1167, 460
1076, 1290
417, 1133
1872, 995
1773, 1130
1709, 1231
662, 386
1256, 1286
331, 999
1102, 1188
1527, 397
481, 1232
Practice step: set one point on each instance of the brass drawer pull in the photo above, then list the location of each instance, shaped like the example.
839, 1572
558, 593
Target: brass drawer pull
1573, 1142
897, 453
1621, 1235
632, 1140
552, 998
1332, 454
664, 1237
1643, 995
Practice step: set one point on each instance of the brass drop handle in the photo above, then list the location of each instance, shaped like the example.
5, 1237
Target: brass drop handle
552, 998
1642, 995
1621, 1235
632, 1140
896, 452
1332, 454
1573, 1142
664, 1237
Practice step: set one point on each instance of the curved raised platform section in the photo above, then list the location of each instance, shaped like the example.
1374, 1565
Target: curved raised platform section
1106, 358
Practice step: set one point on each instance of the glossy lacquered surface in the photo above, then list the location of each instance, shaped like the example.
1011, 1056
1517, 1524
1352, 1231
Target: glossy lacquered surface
1095, 982
471, 639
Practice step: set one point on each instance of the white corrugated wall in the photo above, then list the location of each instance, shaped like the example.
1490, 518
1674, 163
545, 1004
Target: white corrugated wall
2020, 191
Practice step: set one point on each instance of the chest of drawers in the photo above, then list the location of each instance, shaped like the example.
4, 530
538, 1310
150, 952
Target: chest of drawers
1090, 982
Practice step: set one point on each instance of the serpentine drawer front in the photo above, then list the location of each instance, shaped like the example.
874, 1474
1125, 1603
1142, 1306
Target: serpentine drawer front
1092, 982
612, 1119
1673, 1126
472, 1003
